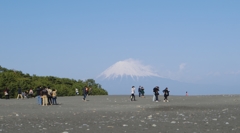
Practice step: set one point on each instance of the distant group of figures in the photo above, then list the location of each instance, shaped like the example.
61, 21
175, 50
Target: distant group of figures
24, 94
155, 93
21, 94
141, 91
45, 95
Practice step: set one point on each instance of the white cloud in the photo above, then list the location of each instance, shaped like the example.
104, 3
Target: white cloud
182, 67
129, 67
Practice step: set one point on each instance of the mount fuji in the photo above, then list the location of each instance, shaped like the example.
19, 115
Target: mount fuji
121, 76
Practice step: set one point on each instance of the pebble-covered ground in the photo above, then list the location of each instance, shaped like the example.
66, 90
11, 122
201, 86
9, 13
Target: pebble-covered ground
117, 114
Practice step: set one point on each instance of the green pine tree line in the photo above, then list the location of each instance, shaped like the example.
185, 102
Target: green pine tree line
12, 80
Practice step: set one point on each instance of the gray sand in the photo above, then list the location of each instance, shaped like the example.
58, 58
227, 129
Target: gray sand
117, 114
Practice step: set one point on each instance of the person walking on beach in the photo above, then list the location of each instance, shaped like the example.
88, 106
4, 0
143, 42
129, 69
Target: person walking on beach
166, 94
19, 93
132, 93
156, 93
142, 91
139, 91
85, 92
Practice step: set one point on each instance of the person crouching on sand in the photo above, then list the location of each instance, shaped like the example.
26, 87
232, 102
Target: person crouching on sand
166, 94
132, 93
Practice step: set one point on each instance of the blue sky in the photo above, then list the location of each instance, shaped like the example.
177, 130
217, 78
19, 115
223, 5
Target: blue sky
187, 41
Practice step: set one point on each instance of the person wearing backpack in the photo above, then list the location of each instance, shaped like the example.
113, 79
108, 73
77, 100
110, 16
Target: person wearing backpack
166, 94
155, 93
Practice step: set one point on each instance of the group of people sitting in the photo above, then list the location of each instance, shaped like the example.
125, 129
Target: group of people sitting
24, 94
21, 94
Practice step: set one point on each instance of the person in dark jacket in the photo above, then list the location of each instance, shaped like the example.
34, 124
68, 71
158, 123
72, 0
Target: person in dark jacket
49, 95
139, 91
166, 94
156, 93
19, 93
142, 91
85, 92
39, 99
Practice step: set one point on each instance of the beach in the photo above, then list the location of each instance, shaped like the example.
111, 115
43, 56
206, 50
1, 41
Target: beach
117, 114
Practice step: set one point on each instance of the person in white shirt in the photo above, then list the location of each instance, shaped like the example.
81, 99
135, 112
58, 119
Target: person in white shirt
132, 93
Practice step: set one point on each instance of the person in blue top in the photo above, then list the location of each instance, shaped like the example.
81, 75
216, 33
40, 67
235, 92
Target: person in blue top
139, 91
19, 93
